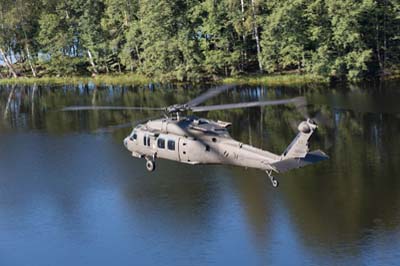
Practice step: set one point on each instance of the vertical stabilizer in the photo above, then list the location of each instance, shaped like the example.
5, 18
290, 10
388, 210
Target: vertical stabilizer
299, 146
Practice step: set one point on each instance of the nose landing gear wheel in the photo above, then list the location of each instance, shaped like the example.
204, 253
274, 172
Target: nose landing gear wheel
150, 165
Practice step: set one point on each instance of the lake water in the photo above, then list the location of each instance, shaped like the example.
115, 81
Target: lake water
70, 194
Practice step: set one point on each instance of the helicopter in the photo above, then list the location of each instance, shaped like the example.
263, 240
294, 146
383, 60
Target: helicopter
192, 140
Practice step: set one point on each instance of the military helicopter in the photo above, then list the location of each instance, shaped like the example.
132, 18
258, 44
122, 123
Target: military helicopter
193, 140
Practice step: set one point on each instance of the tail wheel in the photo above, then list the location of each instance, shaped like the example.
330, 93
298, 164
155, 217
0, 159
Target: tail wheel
150, 165
275, 183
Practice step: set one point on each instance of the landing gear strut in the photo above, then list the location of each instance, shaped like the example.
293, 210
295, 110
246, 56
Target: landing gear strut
274, 182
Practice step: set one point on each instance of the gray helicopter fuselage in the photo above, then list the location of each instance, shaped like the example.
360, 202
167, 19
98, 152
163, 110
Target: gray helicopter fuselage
195, 141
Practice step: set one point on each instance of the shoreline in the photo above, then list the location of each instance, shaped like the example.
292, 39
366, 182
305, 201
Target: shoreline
287, 79
137, 79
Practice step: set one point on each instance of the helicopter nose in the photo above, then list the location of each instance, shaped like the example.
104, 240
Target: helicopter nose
126, 142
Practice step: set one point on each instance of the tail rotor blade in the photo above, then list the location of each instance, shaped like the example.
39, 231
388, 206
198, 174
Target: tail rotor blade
293, 125
322, 119
301, 106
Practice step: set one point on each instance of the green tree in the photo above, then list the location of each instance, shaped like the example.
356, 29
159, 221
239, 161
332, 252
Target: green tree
285, 41
7, 35
59, 36
91, 33
340, 49
24, 17
381, 32
170, 49
19, 25
118, 24
319, 36
218, 40
350, 51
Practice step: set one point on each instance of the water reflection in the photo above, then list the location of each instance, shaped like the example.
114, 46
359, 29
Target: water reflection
59, 176
357, 192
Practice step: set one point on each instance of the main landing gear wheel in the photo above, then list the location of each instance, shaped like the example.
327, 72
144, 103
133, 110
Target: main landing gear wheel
274, 182
150, 165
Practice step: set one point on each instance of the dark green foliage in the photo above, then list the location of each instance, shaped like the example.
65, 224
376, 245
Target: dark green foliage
200, 39
160, 23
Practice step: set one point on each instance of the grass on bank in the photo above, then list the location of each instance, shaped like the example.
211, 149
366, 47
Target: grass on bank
137, 79
125, 79
277, 80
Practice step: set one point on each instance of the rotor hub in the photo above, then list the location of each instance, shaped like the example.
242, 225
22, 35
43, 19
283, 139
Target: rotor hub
176, 108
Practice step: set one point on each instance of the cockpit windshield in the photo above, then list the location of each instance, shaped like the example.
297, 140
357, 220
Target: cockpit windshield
133, 136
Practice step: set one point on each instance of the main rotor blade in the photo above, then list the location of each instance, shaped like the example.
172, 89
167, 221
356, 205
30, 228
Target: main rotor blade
245, 105
125, 125
208, 94
115, 127
85, 108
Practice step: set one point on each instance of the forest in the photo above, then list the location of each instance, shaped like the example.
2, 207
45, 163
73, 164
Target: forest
194, 40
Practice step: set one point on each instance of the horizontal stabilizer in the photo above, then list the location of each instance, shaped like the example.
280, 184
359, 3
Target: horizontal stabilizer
292, 163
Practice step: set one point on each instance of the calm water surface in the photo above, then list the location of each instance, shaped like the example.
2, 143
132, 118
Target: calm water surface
70, 194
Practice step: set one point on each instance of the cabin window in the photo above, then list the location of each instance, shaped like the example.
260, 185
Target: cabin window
146, 141
171, 145
161, 143
214, 140
134, 137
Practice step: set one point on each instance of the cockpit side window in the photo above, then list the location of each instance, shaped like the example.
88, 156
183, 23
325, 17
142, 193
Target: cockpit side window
133, 137
161, 143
